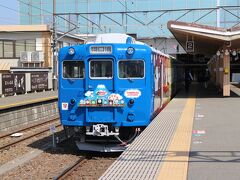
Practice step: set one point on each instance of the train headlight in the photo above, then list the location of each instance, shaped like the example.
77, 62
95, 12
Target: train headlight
131, 102
72, 101
71, 51
130, 50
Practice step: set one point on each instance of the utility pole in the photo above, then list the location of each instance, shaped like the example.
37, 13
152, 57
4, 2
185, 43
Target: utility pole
126, 14
218, 13
54, 46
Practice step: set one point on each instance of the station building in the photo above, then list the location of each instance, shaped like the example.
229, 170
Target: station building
29, 46
26, 57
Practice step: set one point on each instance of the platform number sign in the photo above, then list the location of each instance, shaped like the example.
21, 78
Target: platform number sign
190, 46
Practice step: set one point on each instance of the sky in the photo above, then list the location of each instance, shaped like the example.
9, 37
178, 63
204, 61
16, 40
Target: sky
9, 14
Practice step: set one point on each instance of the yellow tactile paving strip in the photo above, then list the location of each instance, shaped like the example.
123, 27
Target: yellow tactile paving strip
28, 102
175, 164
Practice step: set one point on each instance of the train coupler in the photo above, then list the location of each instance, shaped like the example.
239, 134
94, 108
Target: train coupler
101, 130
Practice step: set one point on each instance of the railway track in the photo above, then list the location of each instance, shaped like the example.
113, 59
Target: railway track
69, 169
7, 141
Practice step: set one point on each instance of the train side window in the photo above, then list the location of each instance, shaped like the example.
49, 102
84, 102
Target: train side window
131, 69
101, 69
73, 69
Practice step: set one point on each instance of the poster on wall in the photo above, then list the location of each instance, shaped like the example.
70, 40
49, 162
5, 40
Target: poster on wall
39, 81
13, 84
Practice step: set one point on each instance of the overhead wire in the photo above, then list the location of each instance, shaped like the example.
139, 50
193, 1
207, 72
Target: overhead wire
59, 16
25, 45
137, 17
73, 22
17, 11
41, 9
28, 4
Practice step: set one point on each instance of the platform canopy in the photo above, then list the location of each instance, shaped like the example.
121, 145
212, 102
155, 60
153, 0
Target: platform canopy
206, 40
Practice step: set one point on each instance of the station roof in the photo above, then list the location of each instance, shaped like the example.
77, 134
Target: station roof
207, 39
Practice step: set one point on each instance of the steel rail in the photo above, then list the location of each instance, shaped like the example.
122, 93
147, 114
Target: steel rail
27, 128
69, 169
28, 137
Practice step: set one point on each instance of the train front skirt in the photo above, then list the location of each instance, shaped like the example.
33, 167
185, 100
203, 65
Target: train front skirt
100, 147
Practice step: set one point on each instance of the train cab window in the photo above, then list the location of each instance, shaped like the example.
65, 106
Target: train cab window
131, 69
73, 69
101, 69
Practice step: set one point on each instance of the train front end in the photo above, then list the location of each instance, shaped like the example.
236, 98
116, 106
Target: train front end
105, 94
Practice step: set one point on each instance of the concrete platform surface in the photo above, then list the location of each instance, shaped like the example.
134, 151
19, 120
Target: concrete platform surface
20, 100
215, 147
212, 148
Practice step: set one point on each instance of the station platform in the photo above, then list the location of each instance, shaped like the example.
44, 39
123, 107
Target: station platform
195, 137
26, 99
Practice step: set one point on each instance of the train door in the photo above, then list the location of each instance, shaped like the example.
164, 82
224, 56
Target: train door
100, 85
100, 73
158, 79
161, 86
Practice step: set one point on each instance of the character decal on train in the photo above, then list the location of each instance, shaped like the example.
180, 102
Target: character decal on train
101, 97
64, 106
132, 93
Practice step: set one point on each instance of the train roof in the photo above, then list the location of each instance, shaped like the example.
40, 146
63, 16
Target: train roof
161, 53
114, 38
121, 39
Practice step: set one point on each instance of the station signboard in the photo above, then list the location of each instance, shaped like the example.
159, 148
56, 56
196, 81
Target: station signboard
13, 84
190, 46
39, 81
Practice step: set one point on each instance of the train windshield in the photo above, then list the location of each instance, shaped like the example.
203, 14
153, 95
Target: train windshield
131, 69
73, 69
101, 69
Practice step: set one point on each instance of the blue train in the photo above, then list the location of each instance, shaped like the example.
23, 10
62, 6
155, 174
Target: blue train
111, 89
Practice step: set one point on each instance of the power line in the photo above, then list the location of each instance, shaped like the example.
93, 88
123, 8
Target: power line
14, 10
137, 17
41, 9
30, 14
34, 6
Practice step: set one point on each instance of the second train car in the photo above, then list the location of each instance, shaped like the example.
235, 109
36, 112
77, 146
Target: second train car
111, 89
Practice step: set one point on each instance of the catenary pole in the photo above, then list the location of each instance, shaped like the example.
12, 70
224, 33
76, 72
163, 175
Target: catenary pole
218, 13
54, 46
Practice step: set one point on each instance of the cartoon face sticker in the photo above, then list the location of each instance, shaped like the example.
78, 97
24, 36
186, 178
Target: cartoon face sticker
105, 102
64, 106
87, 102
93, 102
110, 102
82, 102
99, 101
114, 96
101, 93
